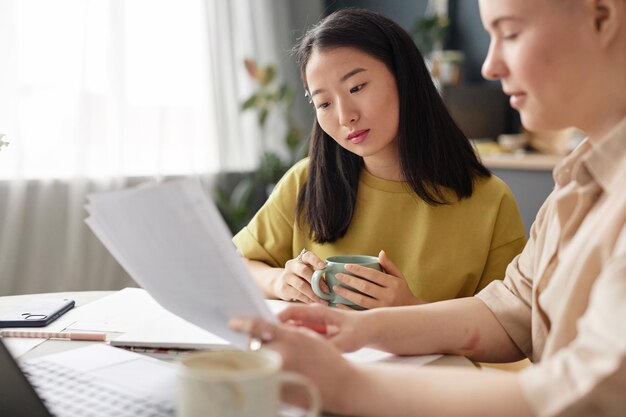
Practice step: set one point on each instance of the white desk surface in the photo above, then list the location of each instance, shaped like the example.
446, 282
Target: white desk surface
85, 297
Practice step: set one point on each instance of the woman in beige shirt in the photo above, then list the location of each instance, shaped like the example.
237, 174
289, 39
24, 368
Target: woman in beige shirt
563, 300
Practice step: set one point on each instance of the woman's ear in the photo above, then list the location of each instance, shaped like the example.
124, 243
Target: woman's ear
608, 18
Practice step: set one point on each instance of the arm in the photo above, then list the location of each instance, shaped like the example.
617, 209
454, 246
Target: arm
265, 276
462, 327
387, 390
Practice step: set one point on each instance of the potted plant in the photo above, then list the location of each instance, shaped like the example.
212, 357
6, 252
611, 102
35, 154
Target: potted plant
270, 97
430, 32
273, 97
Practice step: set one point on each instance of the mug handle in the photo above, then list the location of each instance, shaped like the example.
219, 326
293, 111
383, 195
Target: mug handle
315, 284
315, 401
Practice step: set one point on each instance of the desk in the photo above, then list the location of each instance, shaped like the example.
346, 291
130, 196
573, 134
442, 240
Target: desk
85, 297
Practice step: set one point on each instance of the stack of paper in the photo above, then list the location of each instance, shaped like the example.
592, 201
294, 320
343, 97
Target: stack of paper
172, 240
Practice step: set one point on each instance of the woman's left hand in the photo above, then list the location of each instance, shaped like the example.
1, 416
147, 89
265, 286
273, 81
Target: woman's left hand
305, 352
381, 289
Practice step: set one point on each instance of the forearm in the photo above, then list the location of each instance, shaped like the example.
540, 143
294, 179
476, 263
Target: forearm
265, 276
379, 390
462, 327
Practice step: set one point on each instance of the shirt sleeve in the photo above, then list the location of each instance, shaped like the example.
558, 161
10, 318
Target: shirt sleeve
269, 235
510, 300
588, 376
508, 239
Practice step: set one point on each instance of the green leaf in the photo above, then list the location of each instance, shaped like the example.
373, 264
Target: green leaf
262, 116
284, 92
293, 138
250, 102
268, 75
272, 167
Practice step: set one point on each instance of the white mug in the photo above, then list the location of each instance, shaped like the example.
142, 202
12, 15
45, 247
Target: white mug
231, 383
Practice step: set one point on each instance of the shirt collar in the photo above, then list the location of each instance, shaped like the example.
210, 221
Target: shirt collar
601, 161
608, 157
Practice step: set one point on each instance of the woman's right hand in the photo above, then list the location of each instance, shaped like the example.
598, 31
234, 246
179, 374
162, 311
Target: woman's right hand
294, 282
347, 330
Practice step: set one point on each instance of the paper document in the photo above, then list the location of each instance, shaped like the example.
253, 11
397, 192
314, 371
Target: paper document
172, 240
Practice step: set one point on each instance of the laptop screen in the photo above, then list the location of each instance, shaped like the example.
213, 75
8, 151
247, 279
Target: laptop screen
17, 396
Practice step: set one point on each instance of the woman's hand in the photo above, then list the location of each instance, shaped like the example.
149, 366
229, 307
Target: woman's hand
381, 289
305, 352
294, 283
347, 330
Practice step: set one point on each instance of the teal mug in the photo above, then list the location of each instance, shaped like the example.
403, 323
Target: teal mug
336, 265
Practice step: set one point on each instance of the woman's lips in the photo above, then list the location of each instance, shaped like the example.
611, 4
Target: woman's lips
517, 100
358, 136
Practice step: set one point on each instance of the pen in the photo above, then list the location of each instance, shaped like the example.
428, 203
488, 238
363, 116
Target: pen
94, 337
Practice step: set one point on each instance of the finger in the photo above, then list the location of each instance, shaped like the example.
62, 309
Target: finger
388, 265
301, 298
254, 327
362, 285
303, 270
316, 314
358, 299
374, 276
344, 307
312, 259
303, 291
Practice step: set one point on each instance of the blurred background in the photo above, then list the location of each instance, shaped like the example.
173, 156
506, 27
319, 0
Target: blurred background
100, 95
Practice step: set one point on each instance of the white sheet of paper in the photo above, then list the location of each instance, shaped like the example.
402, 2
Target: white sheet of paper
172, 240
119, 312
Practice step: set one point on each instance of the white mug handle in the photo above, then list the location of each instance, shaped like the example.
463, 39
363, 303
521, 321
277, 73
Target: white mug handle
315, 401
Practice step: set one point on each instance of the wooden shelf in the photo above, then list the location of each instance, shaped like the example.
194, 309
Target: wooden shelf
529, 161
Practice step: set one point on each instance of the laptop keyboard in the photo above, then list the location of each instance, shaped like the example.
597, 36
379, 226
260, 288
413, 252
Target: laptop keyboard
70, 393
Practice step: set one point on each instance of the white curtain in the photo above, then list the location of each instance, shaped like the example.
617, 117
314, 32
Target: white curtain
103, 94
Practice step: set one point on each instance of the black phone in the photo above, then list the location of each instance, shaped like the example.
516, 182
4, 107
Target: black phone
36, 313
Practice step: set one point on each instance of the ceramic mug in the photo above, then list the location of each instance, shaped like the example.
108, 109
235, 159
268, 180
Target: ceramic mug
232, 383
336, 265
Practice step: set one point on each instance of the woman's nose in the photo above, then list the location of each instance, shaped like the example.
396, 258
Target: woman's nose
493, 68
348, 114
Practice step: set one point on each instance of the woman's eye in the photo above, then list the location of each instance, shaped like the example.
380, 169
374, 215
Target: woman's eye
323, 105
509, 36
357, 88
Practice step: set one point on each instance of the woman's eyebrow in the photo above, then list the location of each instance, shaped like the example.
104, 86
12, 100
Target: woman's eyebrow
351, 73
496, 22
342, 79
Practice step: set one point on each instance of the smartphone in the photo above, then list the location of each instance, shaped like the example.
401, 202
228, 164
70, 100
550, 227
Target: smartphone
36, 313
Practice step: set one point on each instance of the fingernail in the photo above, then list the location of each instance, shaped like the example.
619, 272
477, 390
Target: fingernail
267, 336
321, 265
331, 329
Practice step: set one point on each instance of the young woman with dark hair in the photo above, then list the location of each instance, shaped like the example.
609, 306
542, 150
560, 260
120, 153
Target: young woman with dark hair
389, 174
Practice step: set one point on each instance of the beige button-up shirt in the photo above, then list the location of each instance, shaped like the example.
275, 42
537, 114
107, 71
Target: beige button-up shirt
563, 300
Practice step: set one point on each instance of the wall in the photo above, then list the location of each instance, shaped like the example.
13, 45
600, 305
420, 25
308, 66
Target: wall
466, 34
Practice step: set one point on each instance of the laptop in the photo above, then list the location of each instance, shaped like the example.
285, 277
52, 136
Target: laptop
96, 380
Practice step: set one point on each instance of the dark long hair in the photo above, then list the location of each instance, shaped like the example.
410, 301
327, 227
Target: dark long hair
434, 153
